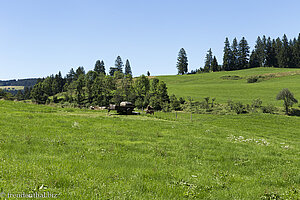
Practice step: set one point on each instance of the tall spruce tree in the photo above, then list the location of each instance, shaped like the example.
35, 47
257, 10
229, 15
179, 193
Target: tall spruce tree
285, 55
227, 56
182, 62
296, 52
270, 54
235, 54
254, 60
99, 67
243, 54
260, 51
214, 65
119, 64
128, 68
208, 61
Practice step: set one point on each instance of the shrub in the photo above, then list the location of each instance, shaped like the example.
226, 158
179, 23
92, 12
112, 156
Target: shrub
239, 108
268, 109
252, 79
256, 103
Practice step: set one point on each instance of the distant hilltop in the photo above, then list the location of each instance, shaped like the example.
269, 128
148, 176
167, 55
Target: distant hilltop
29, 82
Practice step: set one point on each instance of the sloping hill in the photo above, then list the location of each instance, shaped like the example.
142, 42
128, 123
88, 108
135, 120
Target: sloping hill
224, 85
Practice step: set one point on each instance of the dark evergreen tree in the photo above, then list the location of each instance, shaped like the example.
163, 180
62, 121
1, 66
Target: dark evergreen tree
112, 71
285, 54
70, 76
235, 54
90, 78
79, 91
79, 71
296, 52
208, 61
270, 54
119, 64
260, 51
243, 54
99, 67
148, 73
215, 65
227, 56
182, 62
254, 60
128, 68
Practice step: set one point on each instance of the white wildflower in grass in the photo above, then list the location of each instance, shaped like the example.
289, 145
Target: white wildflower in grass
75, 124
248, 140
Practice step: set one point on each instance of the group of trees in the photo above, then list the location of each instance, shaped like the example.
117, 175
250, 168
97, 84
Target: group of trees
282, 53
97, 88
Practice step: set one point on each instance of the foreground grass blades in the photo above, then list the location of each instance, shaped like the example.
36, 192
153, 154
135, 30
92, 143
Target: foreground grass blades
81, 154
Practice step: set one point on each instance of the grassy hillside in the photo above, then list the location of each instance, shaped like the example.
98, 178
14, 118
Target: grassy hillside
215, 84
82, 154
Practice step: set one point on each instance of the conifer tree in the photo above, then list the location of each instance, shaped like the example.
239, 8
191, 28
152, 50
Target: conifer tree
285, 55
99, 67
235, 54
128, 68
214, 65
270, 54
260, 51
119, 64
254, 60
227, 56
182, 62
208, 61
243, 54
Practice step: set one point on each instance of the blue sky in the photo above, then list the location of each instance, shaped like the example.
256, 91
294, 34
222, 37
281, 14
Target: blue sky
42, 37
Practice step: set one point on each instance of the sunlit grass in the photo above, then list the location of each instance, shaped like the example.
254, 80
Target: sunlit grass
82, 154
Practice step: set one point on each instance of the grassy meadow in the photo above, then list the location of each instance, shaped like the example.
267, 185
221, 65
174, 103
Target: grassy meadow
216, 85
84, 154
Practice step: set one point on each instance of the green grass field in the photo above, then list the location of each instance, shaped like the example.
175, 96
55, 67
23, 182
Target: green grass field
212, 85
82, 154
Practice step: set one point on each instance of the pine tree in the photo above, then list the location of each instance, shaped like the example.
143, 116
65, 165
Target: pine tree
214, 65
227, 56
260, 51
296, 53
119, 64
243, 54
270, 54
148, 73
182, 62
254, 60
208, 61
127, 68
97, 66
285, 54
235, 55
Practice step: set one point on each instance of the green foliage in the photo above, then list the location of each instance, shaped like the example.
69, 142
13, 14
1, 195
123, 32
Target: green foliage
128, 68
269, 109
119, 64
252, 79
182, 62
288, 99
99, 67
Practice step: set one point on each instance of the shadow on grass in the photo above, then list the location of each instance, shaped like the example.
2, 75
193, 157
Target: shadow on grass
295, 112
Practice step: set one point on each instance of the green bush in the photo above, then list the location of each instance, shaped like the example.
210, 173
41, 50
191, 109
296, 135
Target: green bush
268, 109
252, 79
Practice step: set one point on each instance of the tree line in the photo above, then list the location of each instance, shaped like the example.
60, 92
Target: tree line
95, 87
267, 52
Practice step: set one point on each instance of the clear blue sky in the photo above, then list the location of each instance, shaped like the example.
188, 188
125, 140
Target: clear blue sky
42, 37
